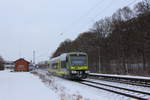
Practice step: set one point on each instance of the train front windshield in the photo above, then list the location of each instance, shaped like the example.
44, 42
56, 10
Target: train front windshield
78, 60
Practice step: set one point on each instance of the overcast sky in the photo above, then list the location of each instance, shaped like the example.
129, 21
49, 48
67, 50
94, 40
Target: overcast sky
41, 25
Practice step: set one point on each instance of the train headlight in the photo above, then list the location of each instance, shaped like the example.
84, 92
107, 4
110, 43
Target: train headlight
73, 68
87, 71
73, 72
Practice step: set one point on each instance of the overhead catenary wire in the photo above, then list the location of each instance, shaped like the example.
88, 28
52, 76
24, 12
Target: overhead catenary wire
132, 2
46, 54
89, 11
106, 7
42, 55
94, 19
75, 22
110, 5
87, 15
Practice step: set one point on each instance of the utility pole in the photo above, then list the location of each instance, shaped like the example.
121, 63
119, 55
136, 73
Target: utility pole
99, 60
99, 49
34, 57
20, 55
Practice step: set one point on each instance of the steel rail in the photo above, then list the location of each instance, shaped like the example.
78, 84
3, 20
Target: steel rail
117, 92
137, 91
126, 80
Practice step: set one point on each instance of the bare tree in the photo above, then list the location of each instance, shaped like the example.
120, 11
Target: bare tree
142, 7
118, 44
1, 63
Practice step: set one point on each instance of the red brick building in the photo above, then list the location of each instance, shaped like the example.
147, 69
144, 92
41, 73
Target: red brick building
21, 65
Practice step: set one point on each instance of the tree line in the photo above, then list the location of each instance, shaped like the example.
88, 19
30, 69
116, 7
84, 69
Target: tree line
1, 63
119, 44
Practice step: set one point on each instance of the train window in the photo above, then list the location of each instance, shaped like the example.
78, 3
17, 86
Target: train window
78, 60
54, 65
63, 64
66, 59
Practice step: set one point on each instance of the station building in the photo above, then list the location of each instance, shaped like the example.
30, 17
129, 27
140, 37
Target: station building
21, 65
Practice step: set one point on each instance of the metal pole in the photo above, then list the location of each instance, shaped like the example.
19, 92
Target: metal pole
99, 64
99, 58
33, 57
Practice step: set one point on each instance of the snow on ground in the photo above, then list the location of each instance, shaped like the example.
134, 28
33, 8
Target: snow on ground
39, 86
23, 86
70, 90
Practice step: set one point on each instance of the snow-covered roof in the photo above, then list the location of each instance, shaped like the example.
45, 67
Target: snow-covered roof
22, 59
63, 56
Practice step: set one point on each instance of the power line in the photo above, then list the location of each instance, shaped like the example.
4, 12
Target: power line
131, 2
111, 4
90, 10
108, 6
83, 16
34, 57
43, 54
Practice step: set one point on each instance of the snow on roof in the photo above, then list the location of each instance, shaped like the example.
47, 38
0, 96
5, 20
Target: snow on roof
63, 56
22, 59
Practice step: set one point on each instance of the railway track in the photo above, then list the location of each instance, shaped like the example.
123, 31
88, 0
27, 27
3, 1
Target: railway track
144, 82
135, 94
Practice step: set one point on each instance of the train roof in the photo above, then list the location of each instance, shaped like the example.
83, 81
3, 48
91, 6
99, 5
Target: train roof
64, 55
77, 53
61, 57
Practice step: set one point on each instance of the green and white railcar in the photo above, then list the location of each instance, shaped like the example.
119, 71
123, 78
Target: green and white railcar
70, 65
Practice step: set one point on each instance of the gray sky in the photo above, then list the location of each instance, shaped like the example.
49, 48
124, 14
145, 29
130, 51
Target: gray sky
27, 25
